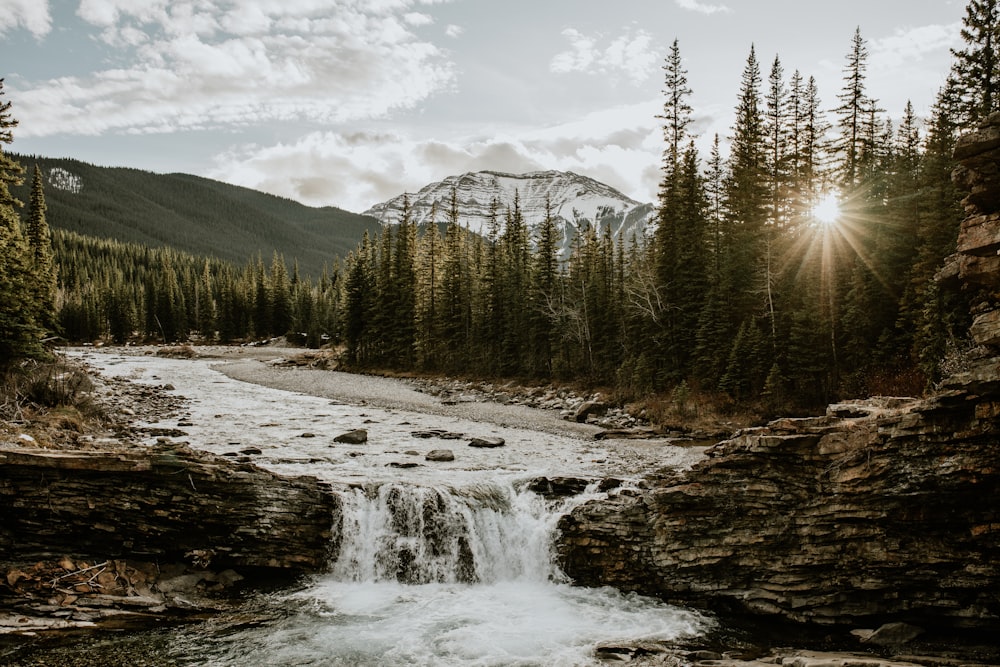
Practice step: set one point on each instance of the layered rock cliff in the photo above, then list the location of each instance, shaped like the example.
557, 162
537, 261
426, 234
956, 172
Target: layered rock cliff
887, 509
171, 504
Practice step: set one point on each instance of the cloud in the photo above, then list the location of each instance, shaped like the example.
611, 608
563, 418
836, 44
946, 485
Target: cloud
355, 170
629, 54
32, 15
907, 45
185, 64
704, 8
454, 30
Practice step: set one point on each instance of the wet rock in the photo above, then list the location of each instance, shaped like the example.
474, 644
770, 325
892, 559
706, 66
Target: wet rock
402, 464
558, 487
355, 437
487, 443
308, 435
251, 451
628, 434
590, 409
893, 634
437, 433
440, 455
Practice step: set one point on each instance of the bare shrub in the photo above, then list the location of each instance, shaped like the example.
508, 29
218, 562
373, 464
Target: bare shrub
177, 352
38, 385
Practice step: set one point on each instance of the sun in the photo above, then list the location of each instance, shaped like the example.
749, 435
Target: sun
827, 210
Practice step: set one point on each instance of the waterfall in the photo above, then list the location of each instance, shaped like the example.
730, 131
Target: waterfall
485, 533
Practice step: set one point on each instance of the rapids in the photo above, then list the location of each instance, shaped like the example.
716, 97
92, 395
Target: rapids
441, 563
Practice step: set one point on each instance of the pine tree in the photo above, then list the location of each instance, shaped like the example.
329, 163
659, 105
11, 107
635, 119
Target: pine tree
544, 283
677, 110
402, 331
747, 199
280, 290
43, 268
937, 314
20, 328
975, 69
359, 294
428, 336
854, 114
776, 130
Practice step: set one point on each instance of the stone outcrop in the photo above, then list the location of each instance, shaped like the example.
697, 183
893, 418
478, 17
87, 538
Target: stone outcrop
885, 510
826, 520
168, 504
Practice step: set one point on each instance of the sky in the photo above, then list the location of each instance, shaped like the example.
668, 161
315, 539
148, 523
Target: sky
351, 102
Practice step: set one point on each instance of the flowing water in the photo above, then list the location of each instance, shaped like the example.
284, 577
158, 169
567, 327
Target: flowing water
438, 564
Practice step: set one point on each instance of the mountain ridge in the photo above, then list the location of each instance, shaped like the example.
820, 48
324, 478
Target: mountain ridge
576, 202
191, 213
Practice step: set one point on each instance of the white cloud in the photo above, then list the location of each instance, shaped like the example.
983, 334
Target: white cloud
454, 30
417, 19
187, 64
702, 7
629, 54
908, 45
620, 146
32, 15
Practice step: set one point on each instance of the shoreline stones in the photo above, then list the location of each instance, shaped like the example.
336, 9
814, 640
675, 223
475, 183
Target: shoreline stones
440, 455
355, 437
487, 443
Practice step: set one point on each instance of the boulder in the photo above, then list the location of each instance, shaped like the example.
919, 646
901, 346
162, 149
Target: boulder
893, 634
440, 455
487, 442
589, 408
355, 437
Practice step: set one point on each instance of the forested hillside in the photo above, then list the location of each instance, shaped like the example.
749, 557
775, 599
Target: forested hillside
193, 214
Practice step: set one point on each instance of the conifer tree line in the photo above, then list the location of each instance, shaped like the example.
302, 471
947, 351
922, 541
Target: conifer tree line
741, 289
125, 292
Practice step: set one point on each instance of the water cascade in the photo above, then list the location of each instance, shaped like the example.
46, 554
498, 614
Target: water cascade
438, 565
418, 535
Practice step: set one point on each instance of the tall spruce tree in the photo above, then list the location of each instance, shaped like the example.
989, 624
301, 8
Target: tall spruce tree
853, 114
975, 68
20, 306
747, 200
43, 267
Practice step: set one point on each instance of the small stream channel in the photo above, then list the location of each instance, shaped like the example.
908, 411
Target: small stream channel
439, 563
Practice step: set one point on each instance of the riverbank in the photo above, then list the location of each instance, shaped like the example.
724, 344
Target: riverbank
140, 378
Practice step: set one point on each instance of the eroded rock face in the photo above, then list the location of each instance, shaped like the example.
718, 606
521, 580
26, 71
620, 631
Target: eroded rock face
881, 510
824, 520
165, 504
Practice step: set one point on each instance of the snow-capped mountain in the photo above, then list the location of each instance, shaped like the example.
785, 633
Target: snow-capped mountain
577, 201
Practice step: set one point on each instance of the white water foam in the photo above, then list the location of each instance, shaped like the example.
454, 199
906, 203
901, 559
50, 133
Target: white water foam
515, 608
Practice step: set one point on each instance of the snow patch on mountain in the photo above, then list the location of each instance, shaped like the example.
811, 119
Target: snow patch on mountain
577, 202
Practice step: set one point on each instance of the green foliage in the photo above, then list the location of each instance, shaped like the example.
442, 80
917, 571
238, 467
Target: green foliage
25, 298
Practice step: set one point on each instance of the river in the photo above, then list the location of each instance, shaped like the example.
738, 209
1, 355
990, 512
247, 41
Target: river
440, 563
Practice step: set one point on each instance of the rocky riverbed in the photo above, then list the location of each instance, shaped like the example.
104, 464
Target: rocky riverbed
68, 590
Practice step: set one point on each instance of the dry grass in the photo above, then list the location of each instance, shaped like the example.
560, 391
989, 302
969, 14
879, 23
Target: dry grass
48, 400
177, 352
687, 410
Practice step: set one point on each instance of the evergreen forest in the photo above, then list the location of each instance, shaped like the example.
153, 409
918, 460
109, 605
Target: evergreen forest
796, 263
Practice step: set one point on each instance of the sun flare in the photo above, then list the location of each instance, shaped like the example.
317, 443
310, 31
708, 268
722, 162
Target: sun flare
827, 209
